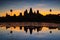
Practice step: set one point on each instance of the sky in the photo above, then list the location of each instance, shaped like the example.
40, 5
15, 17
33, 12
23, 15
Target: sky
20, 5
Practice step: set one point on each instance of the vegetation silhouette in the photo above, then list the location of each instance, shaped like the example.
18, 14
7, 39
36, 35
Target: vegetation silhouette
31, 17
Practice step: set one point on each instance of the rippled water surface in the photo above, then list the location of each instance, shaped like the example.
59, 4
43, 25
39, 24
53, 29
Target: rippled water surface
29, 31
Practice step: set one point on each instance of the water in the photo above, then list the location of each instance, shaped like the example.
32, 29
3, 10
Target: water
29, 31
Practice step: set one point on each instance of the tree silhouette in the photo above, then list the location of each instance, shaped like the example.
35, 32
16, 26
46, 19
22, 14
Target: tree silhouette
50, 10
11, 11
14, 15
7, 15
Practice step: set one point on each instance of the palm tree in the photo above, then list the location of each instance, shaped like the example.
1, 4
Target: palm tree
50, 10
11, 11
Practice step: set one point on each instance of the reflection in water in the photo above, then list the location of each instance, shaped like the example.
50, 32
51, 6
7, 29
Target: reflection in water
50, 31
32, 31
30, 28
11, 32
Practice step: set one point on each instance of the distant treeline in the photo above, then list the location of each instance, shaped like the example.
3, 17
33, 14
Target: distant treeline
31, 17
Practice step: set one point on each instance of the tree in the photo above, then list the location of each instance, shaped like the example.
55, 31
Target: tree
50, 10
11, 11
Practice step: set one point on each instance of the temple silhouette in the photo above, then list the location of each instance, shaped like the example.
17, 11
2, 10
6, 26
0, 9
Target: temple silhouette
31, 17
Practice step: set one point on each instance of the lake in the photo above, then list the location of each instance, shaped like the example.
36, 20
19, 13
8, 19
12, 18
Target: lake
29, 31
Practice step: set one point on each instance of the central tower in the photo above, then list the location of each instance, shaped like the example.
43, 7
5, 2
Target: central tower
30, 12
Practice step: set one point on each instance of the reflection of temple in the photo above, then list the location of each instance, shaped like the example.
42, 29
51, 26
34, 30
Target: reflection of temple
58, 28
52, 27
39, 29
30, 28
20, 27
11, 32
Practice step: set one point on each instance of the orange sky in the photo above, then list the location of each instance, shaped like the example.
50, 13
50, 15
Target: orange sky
17, 11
